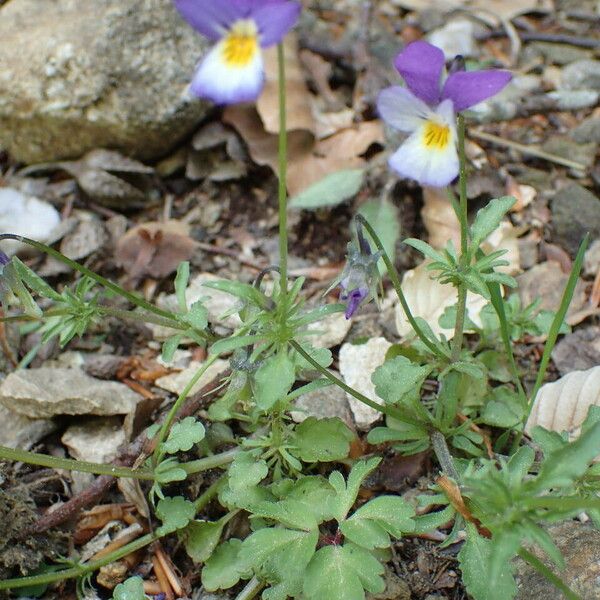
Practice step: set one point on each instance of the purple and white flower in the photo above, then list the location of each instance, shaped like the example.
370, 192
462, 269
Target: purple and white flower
232, 71
426, 109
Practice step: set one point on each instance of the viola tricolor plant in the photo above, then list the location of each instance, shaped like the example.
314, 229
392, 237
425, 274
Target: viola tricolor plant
232, 71
426, 110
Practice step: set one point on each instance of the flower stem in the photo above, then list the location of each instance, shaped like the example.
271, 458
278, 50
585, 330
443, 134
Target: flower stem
282, 190
166, 426
210, 462
395, 279
43, 460
251, 589
442, 453
462, 215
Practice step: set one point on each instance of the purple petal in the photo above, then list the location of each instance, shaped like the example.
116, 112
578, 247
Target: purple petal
355, 297
467, 88
211, 18
274, 19
420, 65
4, 260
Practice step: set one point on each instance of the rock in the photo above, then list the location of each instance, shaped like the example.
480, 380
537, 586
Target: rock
547, 282
576, 211
45, 392
357, 363
93, 440
578, 351
326, 402
25, 215
21, 432
455, 37
581, 75
573, 99
329, 332
565, 147
81, 75
587, 131
591, 260
176, 382
580, 546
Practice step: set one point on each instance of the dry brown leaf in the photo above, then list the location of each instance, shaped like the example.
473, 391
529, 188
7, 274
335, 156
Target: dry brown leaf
547, 282
428, 299
308, 161
505, 237
525, 194
154, 249
439, 218
484, 9
563, 405
298, 98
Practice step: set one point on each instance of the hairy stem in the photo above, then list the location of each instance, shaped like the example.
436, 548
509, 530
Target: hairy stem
442, 453
282, 189
210, 462
395, 279
462, 215
53, 462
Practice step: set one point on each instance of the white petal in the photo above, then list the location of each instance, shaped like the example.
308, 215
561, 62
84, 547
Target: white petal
415, 160
223, 83
400, 108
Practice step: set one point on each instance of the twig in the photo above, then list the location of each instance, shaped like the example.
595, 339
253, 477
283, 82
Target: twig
531, 150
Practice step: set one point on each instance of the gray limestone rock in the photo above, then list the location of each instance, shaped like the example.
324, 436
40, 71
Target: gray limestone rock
580, 546
45, 392
582, 75
81, 75
575, 211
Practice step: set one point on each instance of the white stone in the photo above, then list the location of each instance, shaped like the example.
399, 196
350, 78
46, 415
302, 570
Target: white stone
45, 392
329, 332
357, 363
27, 216
21, 432
176, 382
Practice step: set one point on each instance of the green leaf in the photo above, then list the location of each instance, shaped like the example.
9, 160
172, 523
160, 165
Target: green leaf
330, 190
474, 558
346, 493
372, 524
201, 538
170, 346
245, 471
197, 316
489, 217
398, 378
181, 282
175, 513
322, 440
130, 589
183, 435
503, 409
383, 217
224, 568
273, 379
570, 462
280, 557
344, 573
243, 291
425, 249
169, 470
322, 356
34, 281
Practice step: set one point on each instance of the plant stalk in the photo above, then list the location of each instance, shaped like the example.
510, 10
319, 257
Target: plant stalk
43, 460
282, 188
461, 309
442, 453
395, 279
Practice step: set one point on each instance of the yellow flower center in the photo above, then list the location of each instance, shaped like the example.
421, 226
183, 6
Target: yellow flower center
436, 135
240, 45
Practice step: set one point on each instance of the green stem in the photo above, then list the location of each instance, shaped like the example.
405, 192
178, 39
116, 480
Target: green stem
109, 285
463, 219
386, 410
282, 189
395, 279
251, 589
442, 453
166, 426
43, 460
210, 462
